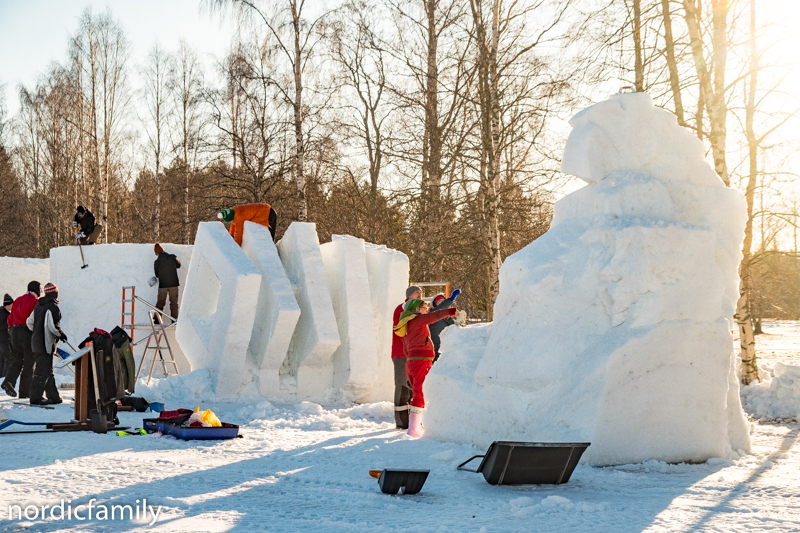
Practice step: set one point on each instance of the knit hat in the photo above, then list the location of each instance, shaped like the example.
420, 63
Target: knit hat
51, 288
433, 300
7, 300
81, 209
411, 290
35, 287
158, 248
226, 215
409, 313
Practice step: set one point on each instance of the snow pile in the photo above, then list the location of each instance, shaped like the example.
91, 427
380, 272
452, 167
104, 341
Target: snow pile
615, 326
217, 309
775, 397
179, 391
16, 272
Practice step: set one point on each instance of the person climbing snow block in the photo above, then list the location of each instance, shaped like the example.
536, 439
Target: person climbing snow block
262, 214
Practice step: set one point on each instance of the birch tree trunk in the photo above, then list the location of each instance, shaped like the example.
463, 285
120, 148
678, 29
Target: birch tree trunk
749, 370
672, 65
637, 44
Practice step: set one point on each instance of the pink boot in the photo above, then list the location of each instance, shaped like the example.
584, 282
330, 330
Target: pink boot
415, 428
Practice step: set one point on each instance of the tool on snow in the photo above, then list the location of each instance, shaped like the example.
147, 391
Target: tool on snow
23, 404
7, 423
81, 249
393, 481
99, 420
528, 463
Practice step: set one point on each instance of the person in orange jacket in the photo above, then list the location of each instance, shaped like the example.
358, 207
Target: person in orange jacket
418, 348
262, 214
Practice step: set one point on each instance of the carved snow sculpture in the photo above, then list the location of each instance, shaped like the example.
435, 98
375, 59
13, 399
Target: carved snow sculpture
615, 326
316, 336
277, 312
219, 297
355, 361
388, 279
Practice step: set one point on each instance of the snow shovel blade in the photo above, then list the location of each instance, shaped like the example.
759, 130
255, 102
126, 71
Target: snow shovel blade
99, 422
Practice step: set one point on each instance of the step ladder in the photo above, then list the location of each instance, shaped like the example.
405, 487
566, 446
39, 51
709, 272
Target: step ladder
160, 345
127, 316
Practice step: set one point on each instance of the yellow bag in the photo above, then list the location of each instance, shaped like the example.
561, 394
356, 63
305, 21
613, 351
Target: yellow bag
209, 417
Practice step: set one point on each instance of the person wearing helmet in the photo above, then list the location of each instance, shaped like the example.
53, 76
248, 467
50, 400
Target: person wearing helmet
262, 214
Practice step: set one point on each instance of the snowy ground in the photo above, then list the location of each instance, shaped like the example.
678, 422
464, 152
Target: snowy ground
304, 468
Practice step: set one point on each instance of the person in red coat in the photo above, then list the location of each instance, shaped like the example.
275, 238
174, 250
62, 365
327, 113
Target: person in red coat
402, 390
419, 351
21, 354
262, 214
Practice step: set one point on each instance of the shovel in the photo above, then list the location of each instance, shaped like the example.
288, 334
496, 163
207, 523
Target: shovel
81, 249
99, 421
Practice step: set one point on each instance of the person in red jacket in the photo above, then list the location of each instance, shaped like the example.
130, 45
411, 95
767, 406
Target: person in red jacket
402, 390
419, 352
21, 354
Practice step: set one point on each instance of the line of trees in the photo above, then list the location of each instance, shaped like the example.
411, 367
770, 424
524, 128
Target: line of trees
431, 126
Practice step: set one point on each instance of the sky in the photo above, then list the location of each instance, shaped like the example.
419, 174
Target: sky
34, 33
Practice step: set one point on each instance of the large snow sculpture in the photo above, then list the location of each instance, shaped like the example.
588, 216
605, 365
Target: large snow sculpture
219, 298
355, 361
277, 312
316, 336
615, 326
17, 272
388, 278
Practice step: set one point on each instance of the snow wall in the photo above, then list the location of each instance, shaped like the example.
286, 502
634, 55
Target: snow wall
91, 297
17, 272
614, 327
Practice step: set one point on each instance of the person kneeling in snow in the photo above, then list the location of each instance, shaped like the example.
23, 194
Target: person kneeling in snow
89, 231
262, 214
45, 323
418, 348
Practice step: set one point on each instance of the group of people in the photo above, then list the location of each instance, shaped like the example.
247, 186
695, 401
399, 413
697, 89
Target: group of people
417, 325
28, 344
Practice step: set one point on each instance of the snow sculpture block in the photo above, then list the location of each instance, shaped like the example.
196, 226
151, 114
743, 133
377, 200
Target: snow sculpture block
355, 361
388, 278
17, 272
316, 336
276, 314
216, 321
91, 297
615, 326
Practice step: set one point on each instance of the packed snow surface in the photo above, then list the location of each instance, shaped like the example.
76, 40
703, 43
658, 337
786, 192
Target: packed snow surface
615, 326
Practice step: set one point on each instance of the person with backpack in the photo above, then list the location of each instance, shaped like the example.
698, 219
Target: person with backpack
45, 325
21, 355
89, 230
166, 268
5, 312
418, 348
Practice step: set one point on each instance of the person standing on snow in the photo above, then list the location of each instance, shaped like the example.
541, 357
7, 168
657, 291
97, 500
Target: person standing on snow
402, 389
45, 323
5, 311
21, 354
259, 213
440, 302
166, 268
89, 231
418, 347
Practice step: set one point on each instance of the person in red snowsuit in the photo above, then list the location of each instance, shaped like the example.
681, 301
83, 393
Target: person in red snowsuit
419, 351
402, 391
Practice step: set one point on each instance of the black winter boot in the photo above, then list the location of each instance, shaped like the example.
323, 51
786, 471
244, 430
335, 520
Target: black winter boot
37, 390
9, 389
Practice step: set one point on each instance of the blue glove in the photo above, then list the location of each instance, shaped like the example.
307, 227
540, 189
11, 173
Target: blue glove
454, 295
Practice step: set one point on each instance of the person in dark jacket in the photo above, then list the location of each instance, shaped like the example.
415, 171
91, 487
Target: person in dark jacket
402, 389
21, 355
440, 302
45, 325
166, 268
418, 347
5, 312
89, 231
